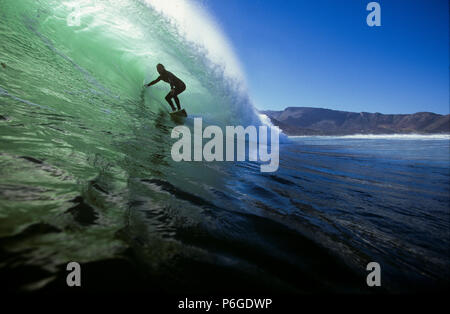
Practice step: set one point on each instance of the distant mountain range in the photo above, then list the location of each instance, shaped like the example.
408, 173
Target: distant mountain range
318, 121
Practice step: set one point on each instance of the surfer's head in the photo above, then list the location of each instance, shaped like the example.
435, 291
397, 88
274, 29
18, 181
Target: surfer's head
160, 68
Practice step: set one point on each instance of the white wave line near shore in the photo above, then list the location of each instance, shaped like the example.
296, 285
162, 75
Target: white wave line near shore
380, 136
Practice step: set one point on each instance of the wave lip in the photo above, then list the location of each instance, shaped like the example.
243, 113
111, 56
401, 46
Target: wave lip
198, 26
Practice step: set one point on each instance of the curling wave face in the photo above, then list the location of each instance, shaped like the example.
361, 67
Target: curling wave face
81, 138
102, 63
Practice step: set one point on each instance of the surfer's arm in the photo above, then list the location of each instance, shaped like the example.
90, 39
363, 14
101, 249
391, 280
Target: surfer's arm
154, 82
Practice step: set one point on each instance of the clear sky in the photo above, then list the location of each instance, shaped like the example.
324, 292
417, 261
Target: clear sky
322, 53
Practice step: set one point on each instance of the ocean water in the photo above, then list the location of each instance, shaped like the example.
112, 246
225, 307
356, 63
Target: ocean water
86, 173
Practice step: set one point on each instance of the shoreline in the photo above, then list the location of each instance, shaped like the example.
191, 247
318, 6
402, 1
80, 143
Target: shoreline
379, 136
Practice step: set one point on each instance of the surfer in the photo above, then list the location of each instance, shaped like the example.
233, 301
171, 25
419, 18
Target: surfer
177, 86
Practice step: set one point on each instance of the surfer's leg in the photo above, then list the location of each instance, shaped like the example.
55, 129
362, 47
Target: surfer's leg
177, 101
169, 100
178, 91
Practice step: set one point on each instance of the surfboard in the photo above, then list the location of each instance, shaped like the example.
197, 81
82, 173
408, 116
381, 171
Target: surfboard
179, 114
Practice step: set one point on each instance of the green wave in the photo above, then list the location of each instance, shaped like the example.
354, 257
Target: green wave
101, 65
79, 133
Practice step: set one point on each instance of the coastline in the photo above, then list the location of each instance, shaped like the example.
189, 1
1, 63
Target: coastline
379, 136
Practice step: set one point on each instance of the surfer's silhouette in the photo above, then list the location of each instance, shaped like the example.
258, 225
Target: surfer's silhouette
177, 86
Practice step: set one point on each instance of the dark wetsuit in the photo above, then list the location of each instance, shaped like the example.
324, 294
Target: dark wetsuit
176, 85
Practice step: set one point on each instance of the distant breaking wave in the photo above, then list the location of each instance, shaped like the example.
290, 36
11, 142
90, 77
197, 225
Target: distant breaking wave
382, 136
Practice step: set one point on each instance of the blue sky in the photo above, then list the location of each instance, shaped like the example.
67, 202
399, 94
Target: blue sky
321, 53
